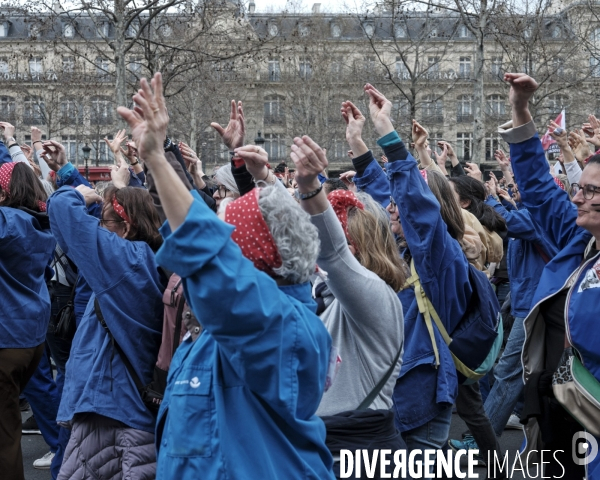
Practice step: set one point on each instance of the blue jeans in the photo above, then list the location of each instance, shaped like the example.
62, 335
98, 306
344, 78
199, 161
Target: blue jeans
508, 386
432, 435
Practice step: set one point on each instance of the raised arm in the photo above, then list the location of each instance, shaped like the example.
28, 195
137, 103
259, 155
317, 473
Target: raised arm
547, 203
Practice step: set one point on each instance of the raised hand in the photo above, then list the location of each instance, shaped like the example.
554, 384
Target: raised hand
191, 159
348, 179
522, 88
579, 145
89, 195
380, 109
120, 175
502, 159
54, 154
355, 121
310, 160
115, 144
256, 159
36, 135
592, 128
148, 121
130, 151
419, 135
8, 131
472, 170
233, 135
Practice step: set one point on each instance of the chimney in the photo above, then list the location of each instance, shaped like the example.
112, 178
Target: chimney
251, 7
316, 8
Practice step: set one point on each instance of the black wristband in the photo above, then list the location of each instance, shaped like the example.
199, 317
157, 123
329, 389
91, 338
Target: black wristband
168, 143
314, 193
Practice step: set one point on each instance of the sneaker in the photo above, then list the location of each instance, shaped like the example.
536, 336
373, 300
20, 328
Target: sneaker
44, 462
30, 427
514, 423
467, 443
23, 405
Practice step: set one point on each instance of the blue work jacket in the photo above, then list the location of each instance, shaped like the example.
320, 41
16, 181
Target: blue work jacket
523, 258
241, 400
552, 209
25, 251
124, 276
444, 273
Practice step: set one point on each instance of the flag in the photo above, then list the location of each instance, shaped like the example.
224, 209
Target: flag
547, 140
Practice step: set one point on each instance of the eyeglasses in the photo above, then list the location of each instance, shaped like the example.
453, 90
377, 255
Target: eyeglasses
393, 205
104, 221
588, 190
222, 189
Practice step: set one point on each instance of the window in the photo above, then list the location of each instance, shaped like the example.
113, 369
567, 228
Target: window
433, 67
275, 146
34, 30
303, 30
369, 64
33, 111
7, 109
336, 30
135, 68
71, 148
399, 31
433, 33
529, 64
102, 69
339, 150
401, 110
100, 151
464, 146
68, 30
132, 30
556, 32
463, 31
558, 66
595, 37
336, 67
273, 29
464, 67
432, 109
495, 105
274, 114
101, 111
68, 64
401, 69
274, 71
369, 29
305, 68
4, 68
165, 30
102, 29
492, 143
224, 70
71, 112
496, 66
4, 26
35, 67
464, 108
595, 67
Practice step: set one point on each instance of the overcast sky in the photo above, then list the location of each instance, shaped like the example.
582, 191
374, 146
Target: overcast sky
302, 5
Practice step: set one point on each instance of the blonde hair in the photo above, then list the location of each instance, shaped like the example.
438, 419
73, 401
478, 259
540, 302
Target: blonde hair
370, 232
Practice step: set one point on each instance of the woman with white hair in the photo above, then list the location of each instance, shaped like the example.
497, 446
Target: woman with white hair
242, 397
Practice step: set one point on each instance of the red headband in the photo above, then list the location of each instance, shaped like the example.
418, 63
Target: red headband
559, 183
6, 171
252, 233
341, 201
120, 211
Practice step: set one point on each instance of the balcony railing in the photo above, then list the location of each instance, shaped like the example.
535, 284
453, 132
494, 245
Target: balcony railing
274, 119
434, 118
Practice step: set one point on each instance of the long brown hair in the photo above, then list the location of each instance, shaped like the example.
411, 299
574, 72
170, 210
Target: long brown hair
26, 190
370, 231
138, 206
449, 208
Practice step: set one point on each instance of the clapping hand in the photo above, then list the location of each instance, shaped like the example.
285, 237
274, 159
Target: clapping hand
54, 155
115, 144
419, 135
473, 171
120, 175
380, 109
256, 159
310, 160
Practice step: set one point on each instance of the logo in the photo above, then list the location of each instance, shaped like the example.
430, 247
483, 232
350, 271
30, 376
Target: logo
194, 382
585, 448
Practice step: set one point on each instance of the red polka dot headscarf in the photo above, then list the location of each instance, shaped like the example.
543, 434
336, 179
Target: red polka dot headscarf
6, 171
252, 233
560, 184
341, 201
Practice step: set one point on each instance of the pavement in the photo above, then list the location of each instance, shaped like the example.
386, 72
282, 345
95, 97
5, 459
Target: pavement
34, 447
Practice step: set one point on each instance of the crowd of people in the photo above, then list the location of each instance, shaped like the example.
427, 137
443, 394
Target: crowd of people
253, 323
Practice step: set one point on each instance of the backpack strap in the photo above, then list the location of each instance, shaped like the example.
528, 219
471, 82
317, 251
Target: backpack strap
117, 347
428, 311
377, 388
178, 318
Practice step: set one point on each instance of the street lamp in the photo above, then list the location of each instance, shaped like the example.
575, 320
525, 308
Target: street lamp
259, 140
86, 156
